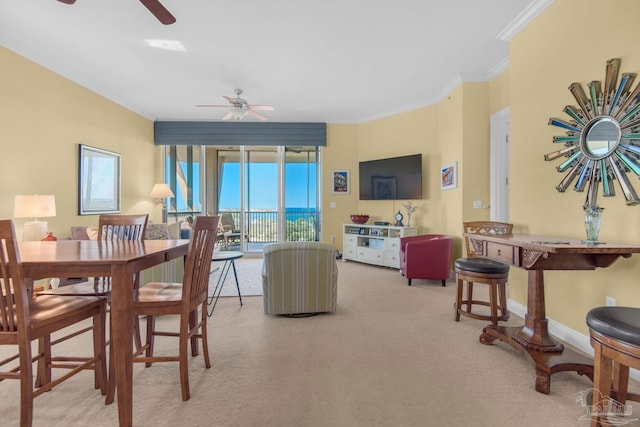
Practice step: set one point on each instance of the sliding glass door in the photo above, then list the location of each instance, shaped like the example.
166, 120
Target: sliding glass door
264, 194
301, 194
183, 173
271, 194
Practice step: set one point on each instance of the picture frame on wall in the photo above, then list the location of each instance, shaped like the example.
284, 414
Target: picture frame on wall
341, 183
98, 181
449, 176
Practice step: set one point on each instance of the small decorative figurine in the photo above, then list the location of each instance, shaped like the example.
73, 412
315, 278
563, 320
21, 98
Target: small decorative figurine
410, 209
399, 218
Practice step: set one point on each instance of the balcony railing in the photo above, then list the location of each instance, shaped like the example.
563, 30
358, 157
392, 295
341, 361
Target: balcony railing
262, 226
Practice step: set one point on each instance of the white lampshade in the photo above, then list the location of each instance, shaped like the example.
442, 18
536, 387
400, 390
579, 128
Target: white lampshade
34, 206
161, 191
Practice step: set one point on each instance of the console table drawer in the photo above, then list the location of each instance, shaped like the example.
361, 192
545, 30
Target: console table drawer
503, 253
350, 239
370, 255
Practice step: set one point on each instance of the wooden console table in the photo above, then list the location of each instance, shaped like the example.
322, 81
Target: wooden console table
536, 254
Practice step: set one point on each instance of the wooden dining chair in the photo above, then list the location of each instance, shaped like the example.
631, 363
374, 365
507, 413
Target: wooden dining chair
110, 228
24, 319
182, 299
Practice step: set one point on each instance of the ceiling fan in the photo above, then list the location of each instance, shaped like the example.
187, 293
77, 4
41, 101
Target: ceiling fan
239, 108
154, 6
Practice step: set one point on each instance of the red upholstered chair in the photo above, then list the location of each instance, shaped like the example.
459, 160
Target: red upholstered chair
426, 257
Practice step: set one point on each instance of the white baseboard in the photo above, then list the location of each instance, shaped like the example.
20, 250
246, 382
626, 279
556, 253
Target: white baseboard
564, 334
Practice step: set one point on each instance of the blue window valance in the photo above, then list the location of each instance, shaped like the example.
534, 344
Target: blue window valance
244, 133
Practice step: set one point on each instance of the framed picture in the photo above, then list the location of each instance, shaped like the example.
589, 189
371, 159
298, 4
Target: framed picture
341, 182
384, 187
449, 176
98, 181
375, 232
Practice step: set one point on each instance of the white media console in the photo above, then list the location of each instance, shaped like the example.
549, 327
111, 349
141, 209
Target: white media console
374, 244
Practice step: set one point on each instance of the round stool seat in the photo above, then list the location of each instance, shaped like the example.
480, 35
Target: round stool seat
481, 265
621, 323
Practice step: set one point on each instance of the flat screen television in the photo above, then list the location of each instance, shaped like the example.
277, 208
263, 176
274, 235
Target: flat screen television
395, 178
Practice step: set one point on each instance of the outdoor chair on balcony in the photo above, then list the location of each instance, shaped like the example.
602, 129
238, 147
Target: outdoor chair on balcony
228, 233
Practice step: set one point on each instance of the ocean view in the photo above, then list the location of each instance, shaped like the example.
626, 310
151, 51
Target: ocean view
291, 214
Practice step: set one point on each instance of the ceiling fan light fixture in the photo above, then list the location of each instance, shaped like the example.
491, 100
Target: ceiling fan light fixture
238, 113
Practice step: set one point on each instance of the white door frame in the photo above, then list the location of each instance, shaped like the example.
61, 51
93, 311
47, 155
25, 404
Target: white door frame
499, 205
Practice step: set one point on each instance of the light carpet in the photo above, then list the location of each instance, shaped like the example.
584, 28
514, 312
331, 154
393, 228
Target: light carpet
391, 355
249, 278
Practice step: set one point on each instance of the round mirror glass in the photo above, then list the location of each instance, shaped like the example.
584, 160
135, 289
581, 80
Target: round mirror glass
600, 137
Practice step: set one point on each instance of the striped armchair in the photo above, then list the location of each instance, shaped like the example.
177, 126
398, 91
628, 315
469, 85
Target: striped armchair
299, 277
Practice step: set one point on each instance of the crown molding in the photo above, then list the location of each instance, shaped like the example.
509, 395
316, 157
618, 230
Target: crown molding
499, 68
521, 21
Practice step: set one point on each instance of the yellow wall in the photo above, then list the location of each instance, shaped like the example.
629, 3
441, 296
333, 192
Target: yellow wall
44, 118
454, 130
476, 152
413, 132
569, 42
499, 93
339, 154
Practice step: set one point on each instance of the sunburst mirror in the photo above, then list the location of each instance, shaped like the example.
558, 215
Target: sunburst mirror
602, 141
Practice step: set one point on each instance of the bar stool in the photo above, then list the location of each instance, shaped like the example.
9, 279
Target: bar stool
478, 269
615, 338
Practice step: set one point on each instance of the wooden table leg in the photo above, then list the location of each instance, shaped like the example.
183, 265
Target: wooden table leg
122, 339
534, 335
533, 338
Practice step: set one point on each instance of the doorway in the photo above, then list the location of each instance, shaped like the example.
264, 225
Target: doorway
499, 204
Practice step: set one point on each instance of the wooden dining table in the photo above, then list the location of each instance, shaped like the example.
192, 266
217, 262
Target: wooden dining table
536, 254
119, 260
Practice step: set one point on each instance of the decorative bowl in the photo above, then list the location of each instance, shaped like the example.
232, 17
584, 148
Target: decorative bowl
360, 219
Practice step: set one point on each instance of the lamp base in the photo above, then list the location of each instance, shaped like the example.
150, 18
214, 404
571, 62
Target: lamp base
34, 231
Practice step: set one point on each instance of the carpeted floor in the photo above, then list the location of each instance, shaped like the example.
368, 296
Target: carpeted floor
391, 355
249, 278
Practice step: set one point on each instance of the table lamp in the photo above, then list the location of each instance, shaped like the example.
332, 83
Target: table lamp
160, 192
34, 206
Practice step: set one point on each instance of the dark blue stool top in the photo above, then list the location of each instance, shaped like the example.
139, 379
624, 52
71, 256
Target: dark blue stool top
482, 265
621, 323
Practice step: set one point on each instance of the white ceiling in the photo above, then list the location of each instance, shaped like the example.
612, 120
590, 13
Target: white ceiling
335, 61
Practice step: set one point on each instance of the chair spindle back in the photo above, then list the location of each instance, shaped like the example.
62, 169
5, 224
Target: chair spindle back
493, 228
14, 307
197, 265
122, 227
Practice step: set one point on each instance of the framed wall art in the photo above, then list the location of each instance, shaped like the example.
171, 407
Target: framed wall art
98, 181
449, 176
341, 182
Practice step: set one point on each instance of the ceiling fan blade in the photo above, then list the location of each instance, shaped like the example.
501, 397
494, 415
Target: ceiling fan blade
228, 116
67, 1
261, 107
258, 115
159, 11
211, 105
